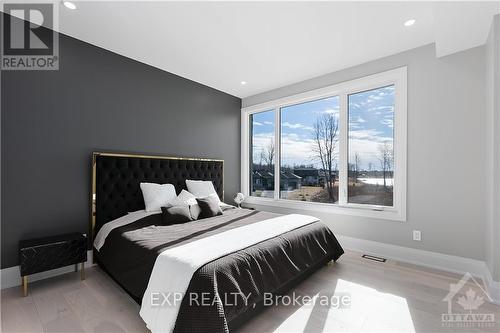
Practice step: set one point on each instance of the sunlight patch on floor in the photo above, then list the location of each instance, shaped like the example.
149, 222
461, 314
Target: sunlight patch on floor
369, 311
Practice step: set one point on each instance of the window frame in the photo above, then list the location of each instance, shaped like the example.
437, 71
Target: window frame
396, 77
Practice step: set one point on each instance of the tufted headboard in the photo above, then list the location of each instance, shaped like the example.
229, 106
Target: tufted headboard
116, 179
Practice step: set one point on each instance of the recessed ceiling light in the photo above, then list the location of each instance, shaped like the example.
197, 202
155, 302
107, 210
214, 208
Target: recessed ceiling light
69, 5
410, 22
243, 83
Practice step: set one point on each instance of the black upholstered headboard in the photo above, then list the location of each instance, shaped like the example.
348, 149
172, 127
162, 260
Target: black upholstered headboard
116, 179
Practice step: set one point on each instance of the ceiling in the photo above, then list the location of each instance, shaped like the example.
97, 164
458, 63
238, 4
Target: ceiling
272, 44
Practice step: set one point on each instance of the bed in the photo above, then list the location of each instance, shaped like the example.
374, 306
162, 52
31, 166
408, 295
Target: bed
227, 264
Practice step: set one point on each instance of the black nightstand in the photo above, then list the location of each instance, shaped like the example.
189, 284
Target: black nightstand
43, 254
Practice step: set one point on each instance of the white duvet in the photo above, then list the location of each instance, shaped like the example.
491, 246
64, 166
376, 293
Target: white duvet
174, 267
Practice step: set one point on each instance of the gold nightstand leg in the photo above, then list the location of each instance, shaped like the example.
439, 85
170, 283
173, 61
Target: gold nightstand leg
25, 285
82, 271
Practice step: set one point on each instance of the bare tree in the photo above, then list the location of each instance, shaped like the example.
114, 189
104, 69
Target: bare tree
354, 167
268, 154
262, 157
325, 137
386, 158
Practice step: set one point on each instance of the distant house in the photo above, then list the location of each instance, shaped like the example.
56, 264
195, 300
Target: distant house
289, 181
322, 176
310, 176
264, 181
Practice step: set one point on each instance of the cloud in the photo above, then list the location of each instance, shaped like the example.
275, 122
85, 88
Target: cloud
369, 134
262, 123
368, 152
296, 126
364, 134
332, 110
367, 147
260, 142
389, 122
389, 108
372, 98
297, 150
366, 143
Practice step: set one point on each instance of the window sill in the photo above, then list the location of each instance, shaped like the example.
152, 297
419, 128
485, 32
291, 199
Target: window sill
377, 212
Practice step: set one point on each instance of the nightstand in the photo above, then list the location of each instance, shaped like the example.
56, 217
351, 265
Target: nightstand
43, 254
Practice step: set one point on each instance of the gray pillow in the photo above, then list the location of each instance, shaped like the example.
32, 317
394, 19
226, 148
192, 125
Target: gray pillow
195, 211
209, 206
176, 214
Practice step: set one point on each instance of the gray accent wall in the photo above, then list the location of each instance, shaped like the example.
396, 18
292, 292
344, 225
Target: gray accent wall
446, 185
97, 101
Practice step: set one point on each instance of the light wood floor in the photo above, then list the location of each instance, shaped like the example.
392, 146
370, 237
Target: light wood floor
385, 297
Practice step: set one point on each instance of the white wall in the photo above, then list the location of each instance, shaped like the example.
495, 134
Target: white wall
496, 140
447, 188
493, 106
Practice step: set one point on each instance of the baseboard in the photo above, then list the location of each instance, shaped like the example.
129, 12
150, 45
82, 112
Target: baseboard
10, 277
429, 259
493, 287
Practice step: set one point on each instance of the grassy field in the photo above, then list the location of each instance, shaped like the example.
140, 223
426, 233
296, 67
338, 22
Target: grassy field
370, 194
358, 193
305, 193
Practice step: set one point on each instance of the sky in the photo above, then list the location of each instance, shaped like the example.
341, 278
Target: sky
371, 115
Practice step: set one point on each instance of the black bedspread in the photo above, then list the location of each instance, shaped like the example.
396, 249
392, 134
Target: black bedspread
271, 266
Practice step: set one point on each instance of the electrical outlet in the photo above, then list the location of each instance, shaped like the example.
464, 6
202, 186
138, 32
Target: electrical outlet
417, 236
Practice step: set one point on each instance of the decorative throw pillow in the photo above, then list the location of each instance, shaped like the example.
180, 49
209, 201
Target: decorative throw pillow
209, 206
201, 188
157, 195
195, 211
186, 198
176, 214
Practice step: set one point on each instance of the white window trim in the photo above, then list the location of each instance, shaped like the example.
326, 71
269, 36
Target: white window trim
398, 77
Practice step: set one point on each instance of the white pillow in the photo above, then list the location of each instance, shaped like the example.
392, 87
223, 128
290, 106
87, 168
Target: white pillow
157, 195
184, 198
187, 199
201, 188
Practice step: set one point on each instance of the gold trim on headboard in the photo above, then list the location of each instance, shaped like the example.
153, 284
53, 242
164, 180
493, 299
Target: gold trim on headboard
94, 170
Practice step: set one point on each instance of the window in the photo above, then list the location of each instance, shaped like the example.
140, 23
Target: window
371, 142
262, 154
310, 151
339, 149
